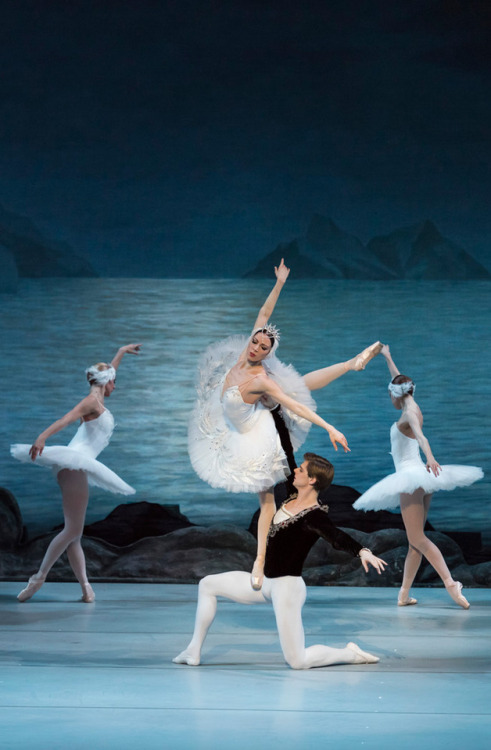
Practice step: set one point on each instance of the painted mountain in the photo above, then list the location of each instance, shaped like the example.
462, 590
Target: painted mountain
24, 252
415, 252
421, 252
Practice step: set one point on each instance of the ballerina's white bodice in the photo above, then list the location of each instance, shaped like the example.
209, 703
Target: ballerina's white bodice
404, 450
92, 437
239, 415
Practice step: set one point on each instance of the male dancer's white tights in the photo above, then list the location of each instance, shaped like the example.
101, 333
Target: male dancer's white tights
287, 595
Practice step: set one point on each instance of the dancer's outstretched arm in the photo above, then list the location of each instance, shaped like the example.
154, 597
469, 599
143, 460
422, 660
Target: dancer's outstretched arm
128, 349
385, 352
84, 408
281, 273
267, 386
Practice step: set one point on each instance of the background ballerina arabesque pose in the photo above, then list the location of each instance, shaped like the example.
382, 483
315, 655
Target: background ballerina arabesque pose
76, 468
413, 484
233, 442
296, 527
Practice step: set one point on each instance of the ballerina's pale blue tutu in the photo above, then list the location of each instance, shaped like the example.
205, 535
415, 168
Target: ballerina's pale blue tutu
233, 445
411, 474
80, 454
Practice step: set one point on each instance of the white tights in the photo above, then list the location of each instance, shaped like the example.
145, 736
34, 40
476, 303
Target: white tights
75, 494
287, 595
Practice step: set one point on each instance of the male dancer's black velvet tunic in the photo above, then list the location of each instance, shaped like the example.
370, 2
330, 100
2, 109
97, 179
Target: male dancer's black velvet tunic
290, 541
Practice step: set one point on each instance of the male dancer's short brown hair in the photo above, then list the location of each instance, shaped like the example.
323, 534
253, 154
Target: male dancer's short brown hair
320, 469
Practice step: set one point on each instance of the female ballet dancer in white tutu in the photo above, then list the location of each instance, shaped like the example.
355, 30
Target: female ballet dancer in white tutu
76, 468
413, 485
233, 442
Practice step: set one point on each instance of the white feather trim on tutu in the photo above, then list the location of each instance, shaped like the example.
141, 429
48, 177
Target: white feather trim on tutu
59, 457
385, 494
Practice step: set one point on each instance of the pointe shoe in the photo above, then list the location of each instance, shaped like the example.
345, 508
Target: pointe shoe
362, 359
257, 575
33, 585
363, 657
455, 591
405, 600
88, 595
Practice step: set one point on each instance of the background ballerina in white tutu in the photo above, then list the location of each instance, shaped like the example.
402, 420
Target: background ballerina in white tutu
233, 442
413, 485
76, 468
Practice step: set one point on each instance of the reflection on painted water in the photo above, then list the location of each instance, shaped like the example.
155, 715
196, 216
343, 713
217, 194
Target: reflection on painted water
52, 329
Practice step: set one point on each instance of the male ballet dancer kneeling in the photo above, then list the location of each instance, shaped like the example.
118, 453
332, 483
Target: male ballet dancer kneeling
295, 528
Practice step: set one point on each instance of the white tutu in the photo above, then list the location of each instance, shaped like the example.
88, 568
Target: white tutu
411, 474
234, 445
80, 454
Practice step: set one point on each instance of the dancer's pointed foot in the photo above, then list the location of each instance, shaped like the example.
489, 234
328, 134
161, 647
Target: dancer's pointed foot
88, 595
404, 600
257, 575
454, 588
187, 657
362, 657
361, 360
34, 584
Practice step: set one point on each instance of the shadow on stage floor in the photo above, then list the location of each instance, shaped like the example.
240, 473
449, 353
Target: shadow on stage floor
76, 676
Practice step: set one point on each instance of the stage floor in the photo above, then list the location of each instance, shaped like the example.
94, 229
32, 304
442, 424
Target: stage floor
76, 676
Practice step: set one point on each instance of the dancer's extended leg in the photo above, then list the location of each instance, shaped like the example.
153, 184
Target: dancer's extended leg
414, 509
288, 596
320, 378
75, 496
268, 508
233, 585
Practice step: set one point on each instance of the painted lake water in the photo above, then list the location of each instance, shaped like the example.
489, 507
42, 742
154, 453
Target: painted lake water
52, 329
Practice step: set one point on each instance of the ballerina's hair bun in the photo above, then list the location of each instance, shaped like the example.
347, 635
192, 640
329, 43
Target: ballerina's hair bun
401, 386
100, 374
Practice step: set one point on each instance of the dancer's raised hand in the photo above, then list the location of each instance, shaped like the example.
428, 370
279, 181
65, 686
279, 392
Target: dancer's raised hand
282, 272
131, 348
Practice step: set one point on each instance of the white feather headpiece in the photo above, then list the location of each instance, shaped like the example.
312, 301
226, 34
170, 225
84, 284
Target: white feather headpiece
101, 377
398, 390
